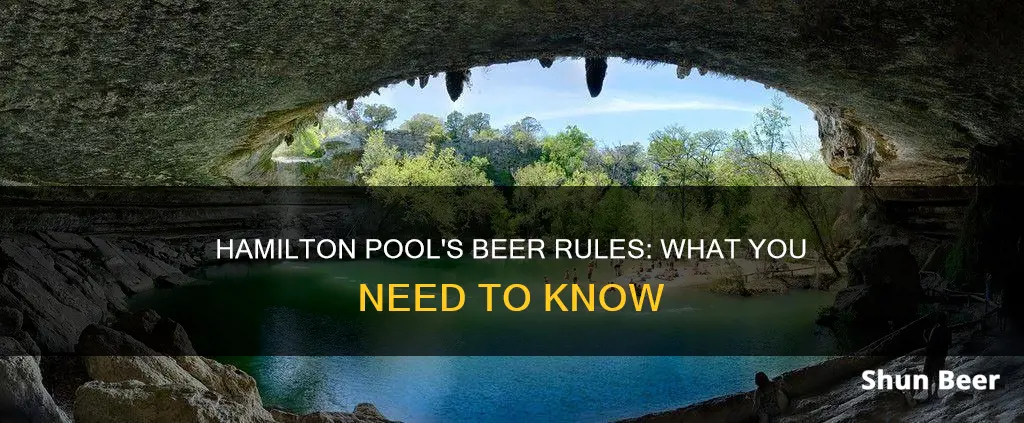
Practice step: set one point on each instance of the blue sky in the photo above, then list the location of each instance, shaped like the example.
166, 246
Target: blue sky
636, 100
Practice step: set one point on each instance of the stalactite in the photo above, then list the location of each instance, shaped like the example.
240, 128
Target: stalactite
596, 67
455, 81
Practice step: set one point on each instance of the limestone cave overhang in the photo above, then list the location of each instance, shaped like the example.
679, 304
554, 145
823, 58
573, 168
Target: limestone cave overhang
189, 91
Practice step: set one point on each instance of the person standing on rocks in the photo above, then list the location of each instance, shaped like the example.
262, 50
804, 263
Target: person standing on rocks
938, 341
771, 398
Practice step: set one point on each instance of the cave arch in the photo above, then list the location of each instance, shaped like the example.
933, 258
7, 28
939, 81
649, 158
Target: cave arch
194, 91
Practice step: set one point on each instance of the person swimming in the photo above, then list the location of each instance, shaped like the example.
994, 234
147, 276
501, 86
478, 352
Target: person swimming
771, 398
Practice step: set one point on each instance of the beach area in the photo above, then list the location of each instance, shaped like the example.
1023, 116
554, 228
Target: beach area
721, 276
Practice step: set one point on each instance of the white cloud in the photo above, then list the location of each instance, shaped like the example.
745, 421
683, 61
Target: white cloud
624, 105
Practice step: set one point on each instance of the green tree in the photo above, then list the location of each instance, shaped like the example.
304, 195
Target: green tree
589, 178
766, 151
770, 129
540, 174
624, 163
427, 126
567, 149
376, 153
475, 124
647, 178
683, 158
436, 167
445, 207
454, 126
378, 116
526, 131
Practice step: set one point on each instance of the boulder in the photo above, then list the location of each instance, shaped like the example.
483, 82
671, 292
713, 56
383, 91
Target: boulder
281, 416
368, 411
113, 356
135, 402
163, 335
11, 321
226, 380
23, 398
363, 413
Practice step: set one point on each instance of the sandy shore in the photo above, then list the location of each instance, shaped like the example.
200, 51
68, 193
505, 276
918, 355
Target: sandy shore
690, 273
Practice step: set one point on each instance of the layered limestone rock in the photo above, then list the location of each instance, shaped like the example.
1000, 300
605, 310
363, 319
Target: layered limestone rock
60, 283
188, 92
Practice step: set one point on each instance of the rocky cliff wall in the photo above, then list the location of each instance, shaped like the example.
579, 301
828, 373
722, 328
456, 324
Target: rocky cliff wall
187, 91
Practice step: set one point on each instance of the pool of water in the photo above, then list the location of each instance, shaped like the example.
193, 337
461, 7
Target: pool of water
265, 305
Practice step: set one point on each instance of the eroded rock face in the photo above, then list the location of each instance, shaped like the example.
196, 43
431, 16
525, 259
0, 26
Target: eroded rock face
884, 289
187, 92
850, 148
53, 285
23, 398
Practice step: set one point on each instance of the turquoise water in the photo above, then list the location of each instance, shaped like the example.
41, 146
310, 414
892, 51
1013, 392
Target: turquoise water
304, 303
